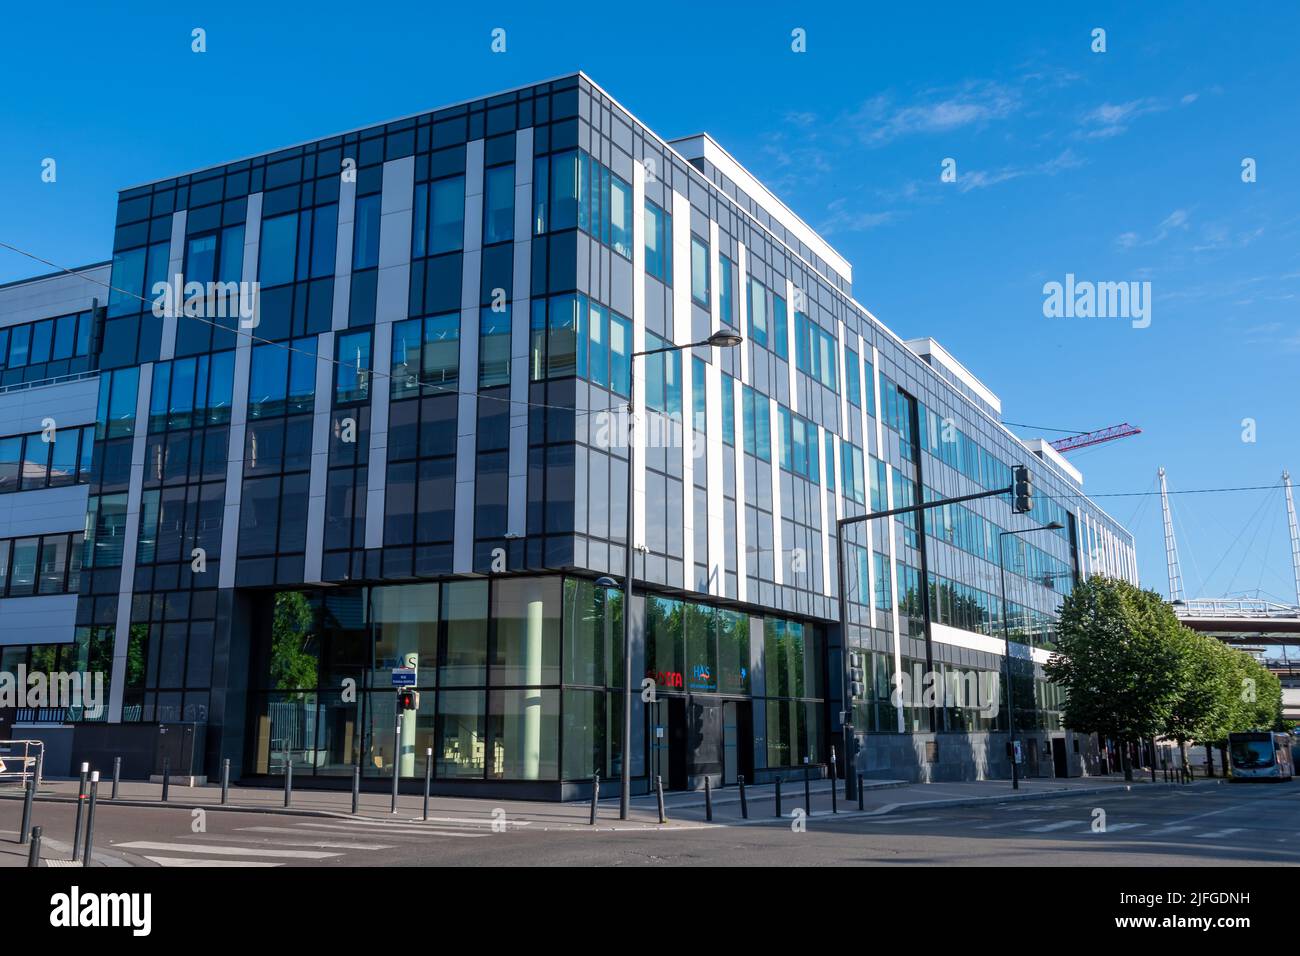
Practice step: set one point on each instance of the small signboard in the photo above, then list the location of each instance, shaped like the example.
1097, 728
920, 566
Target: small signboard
403, 676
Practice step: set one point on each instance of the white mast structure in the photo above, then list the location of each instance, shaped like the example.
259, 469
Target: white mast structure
1171, 546
1295, 534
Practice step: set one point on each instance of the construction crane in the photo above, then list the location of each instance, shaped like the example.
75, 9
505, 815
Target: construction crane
1086, 439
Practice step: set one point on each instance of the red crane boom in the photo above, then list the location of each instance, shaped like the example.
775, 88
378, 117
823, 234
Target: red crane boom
1095, 438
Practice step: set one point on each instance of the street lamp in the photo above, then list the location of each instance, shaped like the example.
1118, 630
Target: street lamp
1006, 636
722, 339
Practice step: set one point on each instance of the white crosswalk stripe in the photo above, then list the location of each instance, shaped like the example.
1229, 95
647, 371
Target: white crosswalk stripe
192, 861
1008, 823
226, 850
412, 831
1049, 827
1214, 834
1171, 829
1116, 827
898, 820
336, 844
306, 841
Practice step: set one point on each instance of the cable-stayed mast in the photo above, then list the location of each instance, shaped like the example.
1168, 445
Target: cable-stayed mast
1295, 534
1171, 546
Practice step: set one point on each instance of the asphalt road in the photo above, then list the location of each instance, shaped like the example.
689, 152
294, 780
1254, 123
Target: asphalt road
1244, 824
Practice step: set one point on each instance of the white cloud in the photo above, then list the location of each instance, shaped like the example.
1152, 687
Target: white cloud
879, 120
1112, 119
982, 179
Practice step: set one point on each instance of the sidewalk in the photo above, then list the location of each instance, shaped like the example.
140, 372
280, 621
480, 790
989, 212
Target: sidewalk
54, 853
681, 808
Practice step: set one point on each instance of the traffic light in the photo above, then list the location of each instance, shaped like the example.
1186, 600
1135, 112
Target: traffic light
1022, 490
408, 699
855, 675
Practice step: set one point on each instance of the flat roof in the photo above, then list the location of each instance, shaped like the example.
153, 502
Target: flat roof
703, 146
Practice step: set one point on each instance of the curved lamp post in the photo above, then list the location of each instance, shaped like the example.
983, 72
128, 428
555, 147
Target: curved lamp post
722, 339
1006, 636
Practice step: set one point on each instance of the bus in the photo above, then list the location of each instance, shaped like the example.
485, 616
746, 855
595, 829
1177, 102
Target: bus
1260, 755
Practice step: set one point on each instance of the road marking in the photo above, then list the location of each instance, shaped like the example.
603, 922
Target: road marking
316, 843
1049, 827
417, 822
1116, 827
1008, 823
189, 861
413, 831
1174, 829
894, 820
225, 850
1227, 831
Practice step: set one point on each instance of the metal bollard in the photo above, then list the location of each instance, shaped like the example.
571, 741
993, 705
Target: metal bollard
117, 775
428, 778
225, 781
861, 805
34, 853
167, 779
807, 791
595, 795
659, 791
708, 799
81, 809
356, 786
397, 760
40, 767
778, 796
90, 819
288, 778
835, 805
29, 792
744, 804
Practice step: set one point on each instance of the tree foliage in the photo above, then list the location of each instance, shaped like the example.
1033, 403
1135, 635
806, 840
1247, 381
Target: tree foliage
1131, 670
293, 666
1113, 660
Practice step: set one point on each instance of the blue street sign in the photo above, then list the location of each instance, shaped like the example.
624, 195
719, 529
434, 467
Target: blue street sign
403, 677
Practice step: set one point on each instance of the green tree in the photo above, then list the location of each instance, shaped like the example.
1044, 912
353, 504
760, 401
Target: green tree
1207, 673
1257, 695
1116, 661
293, 665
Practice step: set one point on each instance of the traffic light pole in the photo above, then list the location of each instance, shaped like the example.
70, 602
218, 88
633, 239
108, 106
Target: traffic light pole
1021, 475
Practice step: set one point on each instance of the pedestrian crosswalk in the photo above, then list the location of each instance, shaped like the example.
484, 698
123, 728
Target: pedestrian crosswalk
1076, 823
301, 842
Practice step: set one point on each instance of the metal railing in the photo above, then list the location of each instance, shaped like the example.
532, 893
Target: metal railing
1235, 608
55, 380
21, 766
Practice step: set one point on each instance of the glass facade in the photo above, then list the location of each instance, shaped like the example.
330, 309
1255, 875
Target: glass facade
422, 451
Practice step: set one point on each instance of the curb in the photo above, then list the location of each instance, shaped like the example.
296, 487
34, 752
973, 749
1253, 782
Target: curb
400, 816
579, 824
1118, 789
725, 801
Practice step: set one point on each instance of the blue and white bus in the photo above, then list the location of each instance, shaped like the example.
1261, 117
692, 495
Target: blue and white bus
1260, 755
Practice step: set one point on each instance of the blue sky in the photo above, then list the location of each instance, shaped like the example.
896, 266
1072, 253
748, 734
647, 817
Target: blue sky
1115, 166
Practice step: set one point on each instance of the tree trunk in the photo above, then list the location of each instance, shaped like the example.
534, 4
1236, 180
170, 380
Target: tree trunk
1209, 760
1124, 761
1182, 754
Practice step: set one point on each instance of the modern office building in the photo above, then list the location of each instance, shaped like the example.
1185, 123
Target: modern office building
407, 446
